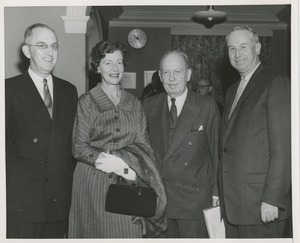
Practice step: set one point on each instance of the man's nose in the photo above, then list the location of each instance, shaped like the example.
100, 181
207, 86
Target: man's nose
172, 76
50, 50
237, 53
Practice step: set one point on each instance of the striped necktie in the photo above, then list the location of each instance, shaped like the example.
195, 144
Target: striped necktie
47, 97
242, 85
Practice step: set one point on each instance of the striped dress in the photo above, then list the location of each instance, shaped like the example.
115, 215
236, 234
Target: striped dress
100, 126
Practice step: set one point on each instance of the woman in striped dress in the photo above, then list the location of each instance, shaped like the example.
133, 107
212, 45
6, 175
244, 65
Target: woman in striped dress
108, 119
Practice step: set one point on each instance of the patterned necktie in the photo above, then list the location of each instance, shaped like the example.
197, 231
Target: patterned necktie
47, 97
239, 92
173, 111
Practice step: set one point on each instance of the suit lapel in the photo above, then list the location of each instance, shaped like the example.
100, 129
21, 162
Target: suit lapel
231, 95
249, 88
58, 96
184, 124
160, 120
32, 99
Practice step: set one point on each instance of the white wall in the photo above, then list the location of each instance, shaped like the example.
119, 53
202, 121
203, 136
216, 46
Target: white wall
71, 64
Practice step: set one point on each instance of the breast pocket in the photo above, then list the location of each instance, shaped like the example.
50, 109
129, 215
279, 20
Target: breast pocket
197, 141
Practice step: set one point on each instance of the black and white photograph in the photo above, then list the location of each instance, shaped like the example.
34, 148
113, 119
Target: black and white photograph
154, 121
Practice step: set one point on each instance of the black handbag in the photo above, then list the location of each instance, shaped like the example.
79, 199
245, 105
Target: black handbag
131, 199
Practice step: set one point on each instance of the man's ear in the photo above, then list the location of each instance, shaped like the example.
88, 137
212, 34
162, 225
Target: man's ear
159, 74
189, 74
257, 48
25, 50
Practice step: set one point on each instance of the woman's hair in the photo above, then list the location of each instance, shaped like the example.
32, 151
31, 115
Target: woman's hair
102, 48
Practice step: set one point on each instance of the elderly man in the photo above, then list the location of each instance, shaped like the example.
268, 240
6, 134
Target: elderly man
39, 110
255, 145
183, 129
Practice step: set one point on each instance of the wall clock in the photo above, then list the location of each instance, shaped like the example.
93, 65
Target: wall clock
137, 38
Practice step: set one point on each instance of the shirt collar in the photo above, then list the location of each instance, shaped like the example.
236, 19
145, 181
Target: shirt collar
36, 78
179, 99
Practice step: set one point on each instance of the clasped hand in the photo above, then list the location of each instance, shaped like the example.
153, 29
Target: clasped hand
109, 163
268, 212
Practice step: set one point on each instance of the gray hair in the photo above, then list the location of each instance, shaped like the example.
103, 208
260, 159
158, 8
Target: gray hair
182, 54
29, 31
245, 27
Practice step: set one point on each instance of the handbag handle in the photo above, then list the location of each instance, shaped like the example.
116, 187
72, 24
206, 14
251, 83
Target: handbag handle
121, 180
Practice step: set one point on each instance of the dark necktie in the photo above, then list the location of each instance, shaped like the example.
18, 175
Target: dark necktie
173, 111
47, 97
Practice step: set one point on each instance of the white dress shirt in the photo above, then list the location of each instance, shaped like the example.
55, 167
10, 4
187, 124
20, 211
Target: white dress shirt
38, 82
179, 101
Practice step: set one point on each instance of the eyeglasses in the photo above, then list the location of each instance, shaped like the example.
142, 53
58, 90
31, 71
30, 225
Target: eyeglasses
202, 86
44, 46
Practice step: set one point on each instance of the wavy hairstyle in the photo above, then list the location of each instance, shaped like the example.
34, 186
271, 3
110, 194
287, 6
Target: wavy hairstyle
100, 50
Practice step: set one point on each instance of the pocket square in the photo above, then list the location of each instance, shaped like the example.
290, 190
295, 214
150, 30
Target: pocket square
200, 128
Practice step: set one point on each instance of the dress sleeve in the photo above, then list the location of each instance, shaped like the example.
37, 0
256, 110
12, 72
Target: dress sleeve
81, 147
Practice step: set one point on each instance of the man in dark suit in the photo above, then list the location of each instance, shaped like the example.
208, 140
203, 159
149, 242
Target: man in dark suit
183, 128
255, 145
39, 110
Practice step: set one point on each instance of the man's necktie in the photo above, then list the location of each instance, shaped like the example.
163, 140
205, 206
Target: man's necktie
239, 92
173, 111
47, 97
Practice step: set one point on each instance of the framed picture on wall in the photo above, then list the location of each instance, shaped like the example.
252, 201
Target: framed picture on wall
128, 81
148, 77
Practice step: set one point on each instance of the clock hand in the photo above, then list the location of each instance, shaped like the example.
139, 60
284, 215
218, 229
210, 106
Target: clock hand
137, 38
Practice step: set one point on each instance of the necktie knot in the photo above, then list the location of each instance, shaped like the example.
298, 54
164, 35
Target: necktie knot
173, 101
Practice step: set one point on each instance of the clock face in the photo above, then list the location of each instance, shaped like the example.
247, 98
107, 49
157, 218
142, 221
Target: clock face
137, 38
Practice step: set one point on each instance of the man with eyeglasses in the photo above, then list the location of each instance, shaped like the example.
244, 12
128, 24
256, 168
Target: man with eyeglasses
204, 87
40, 110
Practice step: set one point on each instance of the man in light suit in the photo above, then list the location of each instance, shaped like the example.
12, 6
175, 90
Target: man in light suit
183, 129
255, 145
39, 110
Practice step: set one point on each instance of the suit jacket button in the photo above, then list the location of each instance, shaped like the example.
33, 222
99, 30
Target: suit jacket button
110, 176
91, 155
54, 200
190, 143
35, 140
186, 163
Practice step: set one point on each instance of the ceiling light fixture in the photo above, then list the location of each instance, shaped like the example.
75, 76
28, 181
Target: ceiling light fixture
210, 16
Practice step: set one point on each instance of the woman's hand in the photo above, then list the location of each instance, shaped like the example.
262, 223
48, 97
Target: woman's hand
109, 163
